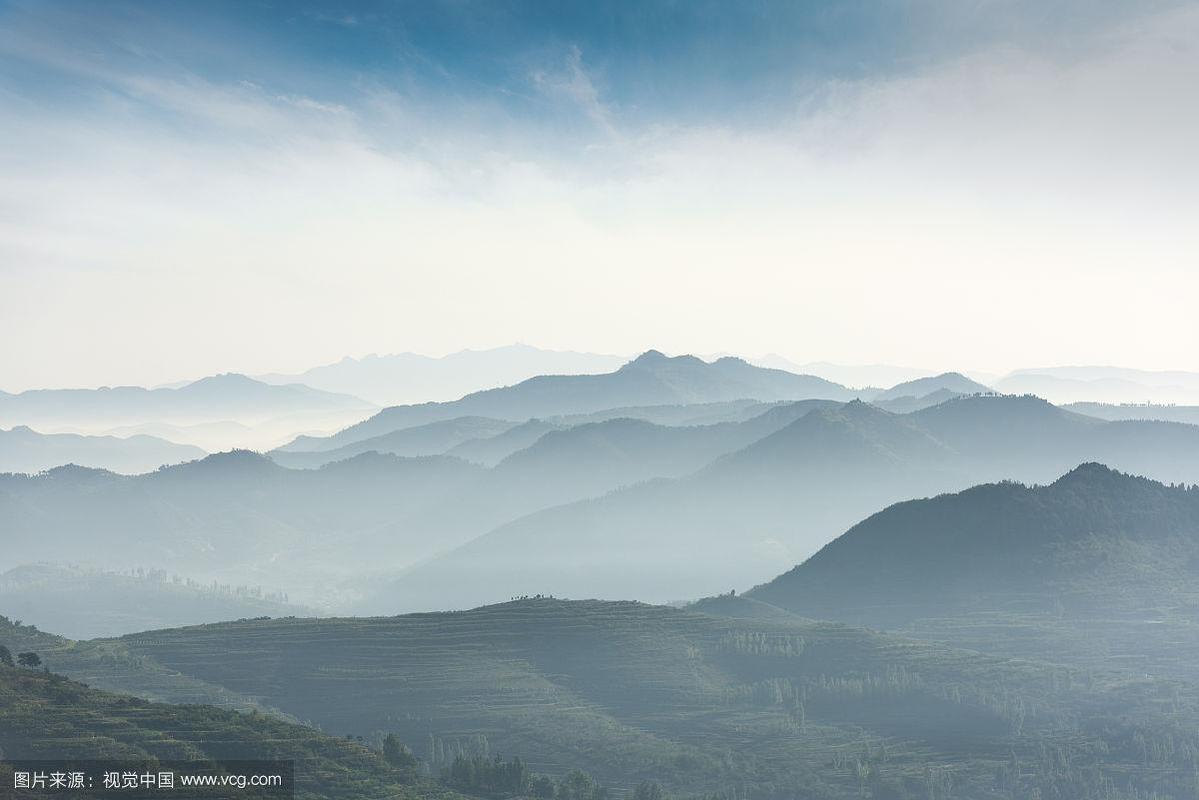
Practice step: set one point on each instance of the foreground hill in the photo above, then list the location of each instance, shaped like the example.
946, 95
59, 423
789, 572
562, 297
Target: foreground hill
1108, 560
704, 704
650, 379
45, 716
777, 500
23, 449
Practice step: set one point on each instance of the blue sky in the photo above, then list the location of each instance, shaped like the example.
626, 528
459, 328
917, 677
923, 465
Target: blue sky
829, 180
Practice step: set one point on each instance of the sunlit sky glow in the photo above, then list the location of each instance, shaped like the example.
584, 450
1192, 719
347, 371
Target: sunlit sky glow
190, 188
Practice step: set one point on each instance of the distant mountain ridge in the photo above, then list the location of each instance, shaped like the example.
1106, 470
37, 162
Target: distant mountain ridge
650, 379
218, 397
23, 449
1100, 384
412, 378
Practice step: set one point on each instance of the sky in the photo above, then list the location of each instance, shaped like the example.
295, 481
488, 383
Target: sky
253, 186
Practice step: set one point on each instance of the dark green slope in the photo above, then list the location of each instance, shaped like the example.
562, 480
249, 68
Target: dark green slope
45, 716
764, 708
1096, 565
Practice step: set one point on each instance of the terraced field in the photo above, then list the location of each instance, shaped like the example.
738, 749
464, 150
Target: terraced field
44, 716
777, 707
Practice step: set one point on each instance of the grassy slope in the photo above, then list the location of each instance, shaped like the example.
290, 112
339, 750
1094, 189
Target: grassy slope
768, 708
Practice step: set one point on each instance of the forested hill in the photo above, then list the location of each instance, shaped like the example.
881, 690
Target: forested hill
1095, 541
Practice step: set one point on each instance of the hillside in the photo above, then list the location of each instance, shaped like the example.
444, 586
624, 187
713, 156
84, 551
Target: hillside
23, 449
628, 692
650, 379
45, 716
1109, 560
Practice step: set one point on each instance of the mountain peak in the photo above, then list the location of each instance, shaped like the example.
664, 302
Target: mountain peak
1090, 474
649, 359
656, 359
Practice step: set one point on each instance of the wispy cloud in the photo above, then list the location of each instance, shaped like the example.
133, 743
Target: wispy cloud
159, 192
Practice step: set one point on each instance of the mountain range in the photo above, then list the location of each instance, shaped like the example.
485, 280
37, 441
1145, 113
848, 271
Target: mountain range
779, 499
214, 413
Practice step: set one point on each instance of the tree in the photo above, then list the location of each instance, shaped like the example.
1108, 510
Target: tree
5, 656
578, 785
542, 787
31, 660
648, 790
398, 755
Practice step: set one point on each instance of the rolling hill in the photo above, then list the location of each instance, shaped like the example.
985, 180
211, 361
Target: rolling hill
650, 379
23, 449
701, 703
